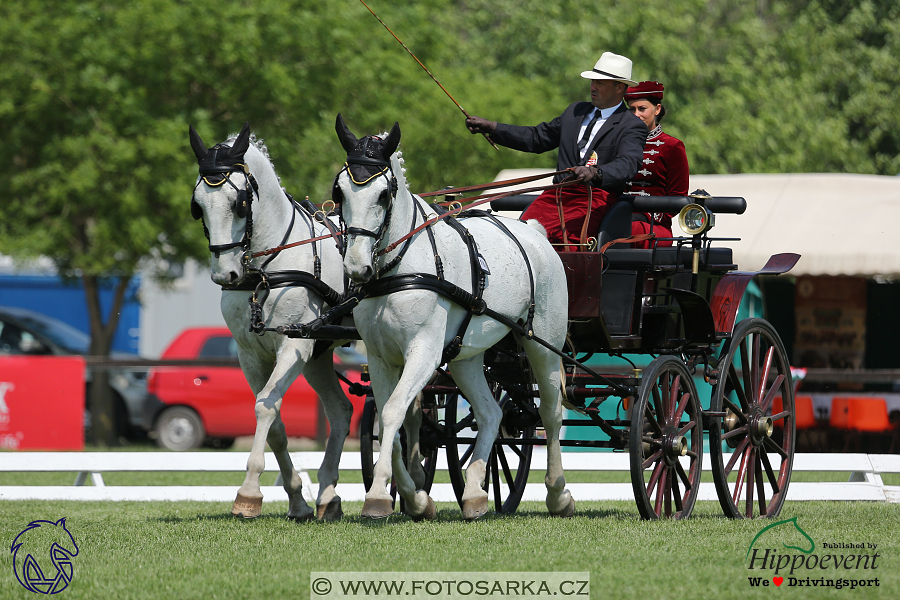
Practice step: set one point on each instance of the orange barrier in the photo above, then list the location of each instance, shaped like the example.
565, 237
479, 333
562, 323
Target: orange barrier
804, 415
867, 414
838, 417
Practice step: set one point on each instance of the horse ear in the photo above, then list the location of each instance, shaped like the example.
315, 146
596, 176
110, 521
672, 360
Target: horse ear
197, 144
241, 143
392, 141
348, 140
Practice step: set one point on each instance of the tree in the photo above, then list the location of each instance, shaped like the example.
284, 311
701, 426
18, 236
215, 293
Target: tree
96, 97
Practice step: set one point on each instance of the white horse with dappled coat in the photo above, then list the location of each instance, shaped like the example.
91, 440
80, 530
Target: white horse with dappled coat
244, 210
406, 331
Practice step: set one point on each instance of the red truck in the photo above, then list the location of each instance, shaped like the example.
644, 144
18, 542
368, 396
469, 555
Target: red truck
188, 406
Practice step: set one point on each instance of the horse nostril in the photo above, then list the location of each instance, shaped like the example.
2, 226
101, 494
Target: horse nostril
233, 276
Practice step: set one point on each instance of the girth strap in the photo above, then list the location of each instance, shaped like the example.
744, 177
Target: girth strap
425, 281
279, 279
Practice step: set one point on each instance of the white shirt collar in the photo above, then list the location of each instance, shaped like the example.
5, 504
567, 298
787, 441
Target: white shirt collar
606, 113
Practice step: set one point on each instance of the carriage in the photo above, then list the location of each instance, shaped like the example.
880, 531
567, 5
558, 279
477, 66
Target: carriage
676, 305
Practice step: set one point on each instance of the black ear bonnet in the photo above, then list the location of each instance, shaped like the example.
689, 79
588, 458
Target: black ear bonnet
217, 163
367, 157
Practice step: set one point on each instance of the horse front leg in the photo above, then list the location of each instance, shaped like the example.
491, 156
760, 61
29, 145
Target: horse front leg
269, 428
392, 413
339, 410
469, 376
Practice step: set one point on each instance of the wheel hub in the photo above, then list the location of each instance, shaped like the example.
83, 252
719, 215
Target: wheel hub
729, 423
761, 426
674, 446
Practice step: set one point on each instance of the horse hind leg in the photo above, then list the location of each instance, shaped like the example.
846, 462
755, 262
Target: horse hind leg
411, 425
546, 368
469, 376
298, 509
339, 410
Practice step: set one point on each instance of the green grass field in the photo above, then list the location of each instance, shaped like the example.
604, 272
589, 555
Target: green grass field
197, 550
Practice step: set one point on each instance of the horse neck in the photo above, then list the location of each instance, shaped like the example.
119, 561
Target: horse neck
404, 205
271, 209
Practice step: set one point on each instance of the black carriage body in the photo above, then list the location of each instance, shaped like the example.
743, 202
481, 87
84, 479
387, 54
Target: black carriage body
643, 301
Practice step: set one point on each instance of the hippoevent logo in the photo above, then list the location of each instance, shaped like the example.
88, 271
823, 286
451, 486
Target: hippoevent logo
784, 554
42, 556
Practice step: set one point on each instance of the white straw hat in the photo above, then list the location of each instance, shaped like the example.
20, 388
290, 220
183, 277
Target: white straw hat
611, 66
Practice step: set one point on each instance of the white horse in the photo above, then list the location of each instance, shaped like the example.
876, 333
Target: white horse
406, 331
245, 210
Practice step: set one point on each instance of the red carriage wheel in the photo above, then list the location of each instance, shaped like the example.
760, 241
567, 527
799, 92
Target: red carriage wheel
752, 447
666, 441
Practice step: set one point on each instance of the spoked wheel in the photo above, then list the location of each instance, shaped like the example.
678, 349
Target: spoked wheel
752, 446
369, 444
666, 441
510, 459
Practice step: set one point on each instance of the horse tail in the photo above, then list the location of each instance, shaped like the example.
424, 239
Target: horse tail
537, 225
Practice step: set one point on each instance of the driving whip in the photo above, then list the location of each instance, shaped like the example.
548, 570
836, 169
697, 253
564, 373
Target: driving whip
426, 69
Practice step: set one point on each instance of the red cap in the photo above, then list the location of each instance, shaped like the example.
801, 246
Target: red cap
646, 90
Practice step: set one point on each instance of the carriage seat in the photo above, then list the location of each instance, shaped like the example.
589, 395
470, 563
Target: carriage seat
710, 258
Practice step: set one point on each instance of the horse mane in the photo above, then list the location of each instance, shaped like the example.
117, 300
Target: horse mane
260, 145
397, 162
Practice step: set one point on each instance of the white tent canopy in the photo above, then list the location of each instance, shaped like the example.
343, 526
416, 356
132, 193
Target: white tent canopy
840, 224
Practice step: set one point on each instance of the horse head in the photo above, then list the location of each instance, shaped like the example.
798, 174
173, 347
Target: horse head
223, 198
365, 190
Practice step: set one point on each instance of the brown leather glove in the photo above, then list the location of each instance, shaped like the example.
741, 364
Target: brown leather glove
584, 174
479, 125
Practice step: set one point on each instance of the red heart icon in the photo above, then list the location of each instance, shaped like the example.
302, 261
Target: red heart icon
778, 580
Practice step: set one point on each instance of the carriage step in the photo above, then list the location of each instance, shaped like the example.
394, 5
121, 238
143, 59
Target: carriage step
709, 416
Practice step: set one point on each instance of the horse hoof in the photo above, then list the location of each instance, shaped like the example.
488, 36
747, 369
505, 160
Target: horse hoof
429, 514
566, 513
330, 511
474, 508
246, 507
377, 509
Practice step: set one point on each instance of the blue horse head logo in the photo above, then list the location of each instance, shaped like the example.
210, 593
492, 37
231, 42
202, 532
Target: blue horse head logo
34, 570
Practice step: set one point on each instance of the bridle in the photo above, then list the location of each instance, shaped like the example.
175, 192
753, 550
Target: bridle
215, 176
382, 168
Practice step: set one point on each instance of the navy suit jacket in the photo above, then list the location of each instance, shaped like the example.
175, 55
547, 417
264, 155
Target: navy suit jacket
619, 143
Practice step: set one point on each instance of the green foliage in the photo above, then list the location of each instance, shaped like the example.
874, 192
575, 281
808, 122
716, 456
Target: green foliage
95, 97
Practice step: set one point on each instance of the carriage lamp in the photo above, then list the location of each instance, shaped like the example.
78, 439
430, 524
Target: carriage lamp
695, 219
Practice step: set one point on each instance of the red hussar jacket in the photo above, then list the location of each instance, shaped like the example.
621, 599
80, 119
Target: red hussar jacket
663, 172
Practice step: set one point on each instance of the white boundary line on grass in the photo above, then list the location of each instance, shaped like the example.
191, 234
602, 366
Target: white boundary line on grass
865, 481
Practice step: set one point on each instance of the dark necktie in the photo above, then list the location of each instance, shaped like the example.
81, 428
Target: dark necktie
587, 132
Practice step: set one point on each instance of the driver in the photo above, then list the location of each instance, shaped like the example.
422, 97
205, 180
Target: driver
600, 141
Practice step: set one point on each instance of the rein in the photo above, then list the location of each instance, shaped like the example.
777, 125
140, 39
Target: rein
491, 185
456, 207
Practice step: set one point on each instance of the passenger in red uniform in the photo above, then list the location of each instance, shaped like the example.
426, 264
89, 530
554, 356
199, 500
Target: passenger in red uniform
664, 169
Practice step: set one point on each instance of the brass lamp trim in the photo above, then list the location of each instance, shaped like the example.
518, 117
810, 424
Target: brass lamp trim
690, 213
